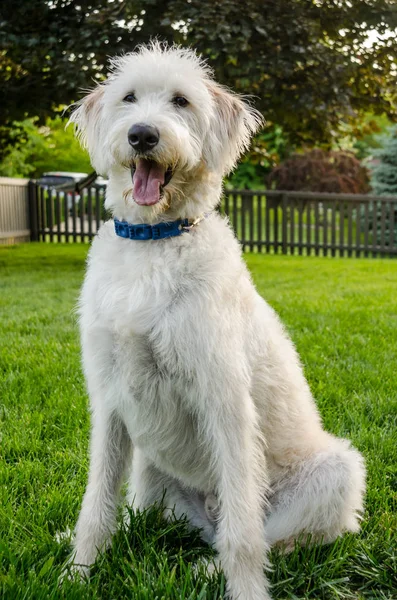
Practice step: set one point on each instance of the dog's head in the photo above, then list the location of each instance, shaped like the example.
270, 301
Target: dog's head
160, 123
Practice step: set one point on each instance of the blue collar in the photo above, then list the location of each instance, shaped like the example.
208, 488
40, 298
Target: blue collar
159, 231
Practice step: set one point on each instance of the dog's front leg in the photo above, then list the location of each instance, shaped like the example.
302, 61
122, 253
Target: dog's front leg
240, 468
110, 450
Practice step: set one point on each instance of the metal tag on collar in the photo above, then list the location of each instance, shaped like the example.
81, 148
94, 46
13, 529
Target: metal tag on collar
188, 227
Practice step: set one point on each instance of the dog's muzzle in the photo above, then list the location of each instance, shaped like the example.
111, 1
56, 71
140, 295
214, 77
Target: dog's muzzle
149, 177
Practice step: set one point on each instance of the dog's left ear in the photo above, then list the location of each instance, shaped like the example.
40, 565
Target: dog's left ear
87, 120
233, 125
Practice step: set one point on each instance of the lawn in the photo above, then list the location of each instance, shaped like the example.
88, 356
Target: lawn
342, 315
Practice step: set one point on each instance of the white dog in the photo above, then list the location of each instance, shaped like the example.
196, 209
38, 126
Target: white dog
195, 387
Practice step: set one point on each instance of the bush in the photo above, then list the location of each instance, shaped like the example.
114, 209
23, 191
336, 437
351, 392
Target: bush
268, 149
36, 149
321, 171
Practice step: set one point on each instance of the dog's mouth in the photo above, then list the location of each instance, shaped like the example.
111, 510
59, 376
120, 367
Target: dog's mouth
149, 179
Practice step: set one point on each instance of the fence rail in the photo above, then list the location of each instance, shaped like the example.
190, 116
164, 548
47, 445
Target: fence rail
272, 221
311, 223
66, 216
264, 221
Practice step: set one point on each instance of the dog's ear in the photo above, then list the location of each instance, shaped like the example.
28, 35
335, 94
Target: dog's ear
233, 125
86, 118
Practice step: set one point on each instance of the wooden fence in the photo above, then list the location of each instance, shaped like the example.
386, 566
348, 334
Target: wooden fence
66, 216
313, 223
14, 211
272, 221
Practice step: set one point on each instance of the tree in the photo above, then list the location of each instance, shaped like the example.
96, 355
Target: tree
384, 172
321, 171
305, 60
384, 183
362, 138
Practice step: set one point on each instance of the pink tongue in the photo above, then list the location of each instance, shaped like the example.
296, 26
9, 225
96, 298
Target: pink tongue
147, 179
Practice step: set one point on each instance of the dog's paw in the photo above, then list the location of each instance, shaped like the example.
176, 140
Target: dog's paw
64, 536
207, 566
72, 571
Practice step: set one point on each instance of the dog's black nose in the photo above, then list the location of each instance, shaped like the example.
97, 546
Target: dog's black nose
143, 137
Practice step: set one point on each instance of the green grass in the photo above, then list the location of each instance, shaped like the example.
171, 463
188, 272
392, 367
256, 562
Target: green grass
342, 314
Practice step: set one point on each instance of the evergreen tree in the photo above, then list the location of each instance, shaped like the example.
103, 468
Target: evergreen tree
384, 174
384, 183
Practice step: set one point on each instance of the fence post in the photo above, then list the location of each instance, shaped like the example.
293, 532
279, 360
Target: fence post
284, 226
33, 211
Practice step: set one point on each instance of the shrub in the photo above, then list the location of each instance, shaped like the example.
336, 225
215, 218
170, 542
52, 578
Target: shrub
36, 148
321, 171
268, 149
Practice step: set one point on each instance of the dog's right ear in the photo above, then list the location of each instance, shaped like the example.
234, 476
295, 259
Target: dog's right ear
86, 118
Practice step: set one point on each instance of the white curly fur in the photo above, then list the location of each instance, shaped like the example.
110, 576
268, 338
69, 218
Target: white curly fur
192, 379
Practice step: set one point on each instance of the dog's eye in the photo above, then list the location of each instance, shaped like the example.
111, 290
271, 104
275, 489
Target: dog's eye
130, 97
180, 101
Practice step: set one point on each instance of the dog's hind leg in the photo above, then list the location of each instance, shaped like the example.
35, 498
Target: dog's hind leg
320, 497
110, 452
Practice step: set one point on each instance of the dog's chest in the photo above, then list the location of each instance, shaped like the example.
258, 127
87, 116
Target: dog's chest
134, 290
150, 302
155, 404
148, 307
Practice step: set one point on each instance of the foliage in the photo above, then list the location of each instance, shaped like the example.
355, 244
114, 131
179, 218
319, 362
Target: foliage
368, 133
384, 171
363, 137
341, 315
321, 171
306, 61
35, 149
268, 149
384, 183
